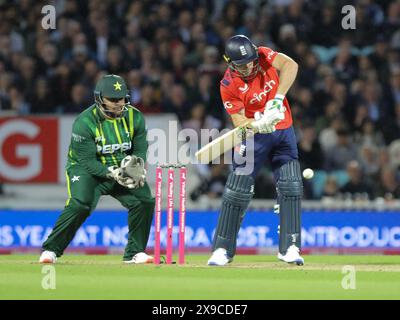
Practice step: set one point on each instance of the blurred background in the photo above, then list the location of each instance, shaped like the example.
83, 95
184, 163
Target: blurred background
345, 101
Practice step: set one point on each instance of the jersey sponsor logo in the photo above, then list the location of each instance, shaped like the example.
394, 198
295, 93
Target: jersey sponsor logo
228, 105
111, 148
77, 137
269, 55
244, 88
258, 97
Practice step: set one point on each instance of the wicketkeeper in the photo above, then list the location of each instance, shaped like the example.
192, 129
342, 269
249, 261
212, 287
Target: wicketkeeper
106, 156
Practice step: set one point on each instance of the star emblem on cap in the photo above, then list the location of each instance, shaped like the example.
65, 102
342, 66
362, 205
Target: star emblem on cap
117, 86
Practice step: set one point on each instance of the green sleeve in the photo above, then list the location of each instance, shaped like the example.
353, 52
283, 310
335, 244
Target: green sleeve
84, 147
140, 143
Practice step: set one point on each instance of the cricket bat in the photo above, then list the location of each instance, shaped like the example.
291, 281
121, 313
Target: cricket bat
224, 143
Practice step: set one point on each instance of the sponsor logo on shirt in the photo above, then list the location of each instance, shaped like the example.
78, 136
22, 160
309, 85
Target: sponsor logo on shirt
111, 148
258, 97
228, 105
77, 137
244, 88
269, 55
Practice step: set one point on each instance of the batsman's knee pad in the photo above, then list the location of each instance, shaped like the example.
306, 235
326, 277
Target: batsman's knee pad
238, 193
290, 192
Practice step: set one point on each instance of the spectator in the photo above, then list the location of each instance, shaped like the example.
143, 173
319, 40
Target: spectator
177, 103
62, 83
310, 152
371, 98
394, 153
17, 101
134, 84
149, 101
389, 186
199, 119
331, 188
91, 74
328, 137
48, 59
115, 64
342, 153
369, 160
210, 63
27, 75
214, 185
42, 100
5, 83
327, 20
79, 99
369, 136
358, 186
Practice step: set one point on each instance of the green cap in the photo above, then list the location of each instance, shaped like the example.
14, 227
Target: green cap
111, 86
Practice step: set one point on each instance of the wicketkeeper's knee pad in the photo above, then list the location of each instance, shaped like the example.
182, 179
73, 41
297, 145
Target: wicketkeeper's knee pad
238, 193
290, 192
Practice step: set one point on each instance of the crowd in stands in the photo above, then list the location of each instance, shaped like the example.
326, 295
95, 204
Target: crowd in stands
345, 101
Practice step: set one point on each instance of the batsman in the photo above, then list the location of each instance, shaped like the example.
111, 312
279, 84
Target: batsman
106, 156
253, 93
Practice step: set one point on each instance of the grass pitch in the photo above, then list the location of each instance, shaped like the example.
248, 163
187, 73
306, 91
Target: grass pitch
248, 277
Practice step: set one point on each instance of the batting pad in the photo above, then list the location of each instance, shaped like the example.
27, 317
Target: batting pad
290, 192
237, 196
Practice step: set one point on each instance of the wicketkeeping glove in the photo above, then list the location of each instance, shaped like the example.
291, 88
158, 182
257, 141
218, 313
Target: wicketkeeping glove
116, 173
133, 167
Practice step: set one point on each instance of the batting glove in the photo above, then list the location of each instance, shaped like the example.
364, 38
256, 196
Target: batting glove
274, 111
262, 125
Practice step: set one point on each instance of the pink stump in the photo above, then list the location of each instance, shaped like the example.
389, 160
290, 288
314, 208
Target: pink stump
157, 222
170, 214
182, 215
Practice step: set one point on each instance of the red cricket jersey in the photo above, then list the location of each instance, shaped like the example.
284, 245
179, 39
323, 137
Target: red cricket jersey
252, 95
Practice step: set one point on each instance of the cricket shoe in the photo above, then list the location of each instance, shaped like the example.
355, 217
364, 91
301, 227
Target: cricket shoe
140, 258
219, 258
48, 257
292, 256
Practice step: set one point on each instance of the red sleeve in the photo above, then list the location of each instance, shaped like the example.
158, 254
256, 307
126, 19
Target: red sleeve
232, 104
268, 54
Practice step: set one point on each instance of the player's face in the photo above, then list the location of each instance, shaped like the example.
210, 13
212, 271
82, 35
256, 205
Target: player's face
245, 69
114, 106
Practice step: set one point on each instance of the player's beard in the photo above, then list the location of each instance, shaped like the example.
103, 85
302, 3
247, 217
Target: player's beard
113, 113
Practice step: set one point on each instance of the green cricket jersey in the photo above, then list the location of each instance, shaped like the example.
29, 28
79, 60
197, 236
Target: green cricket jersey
98, 143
